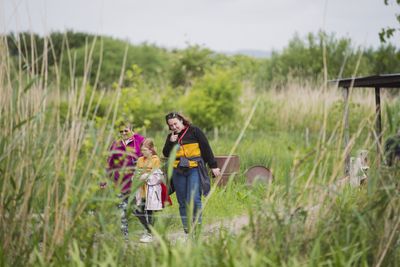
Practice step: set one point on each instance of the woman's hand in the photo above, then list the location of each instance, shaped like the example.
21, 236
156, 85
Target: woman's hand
173, 137
216, 172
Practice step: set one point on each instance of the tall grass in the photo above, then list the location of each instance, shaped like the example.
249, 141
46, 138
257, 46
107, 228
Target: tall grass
52, 158
46, 181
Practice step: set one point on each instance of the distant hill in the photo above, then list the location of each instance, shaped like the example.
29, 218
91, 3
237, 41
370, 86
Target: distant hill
249, 52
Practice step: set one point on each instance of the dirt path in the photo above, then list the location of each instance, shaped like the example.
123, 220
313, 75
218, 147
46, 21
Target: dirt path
233, 225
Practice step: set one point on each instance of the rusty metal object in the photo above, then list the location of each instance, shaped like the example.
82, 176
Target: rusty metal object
229, 166
258, 174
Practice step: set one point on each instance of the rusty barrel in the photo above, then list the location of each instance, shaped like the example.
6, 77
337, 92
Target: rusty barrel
258, 174
229, 166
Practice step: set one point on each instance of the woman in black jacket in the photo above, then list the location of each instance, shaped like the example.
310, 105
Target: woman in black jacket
189, 176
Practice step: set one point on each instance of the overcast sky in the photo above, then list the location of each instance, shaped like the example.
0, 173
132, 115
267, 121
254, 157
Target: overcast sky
222, 25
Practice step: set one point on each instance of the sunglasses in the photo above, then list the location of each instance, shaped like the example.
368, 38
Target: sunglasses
124, 131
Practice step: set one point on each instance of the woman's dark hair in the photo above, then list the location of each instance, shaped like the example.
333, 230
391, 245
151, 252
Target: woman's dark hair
179, 116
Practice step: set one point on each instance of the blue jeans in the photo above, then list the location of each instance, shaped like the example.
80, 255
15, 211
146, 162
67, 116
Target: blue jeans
188, 188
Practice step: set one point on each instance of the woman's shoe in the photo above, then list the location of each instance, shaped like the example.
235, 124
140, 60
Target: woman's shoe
146, 238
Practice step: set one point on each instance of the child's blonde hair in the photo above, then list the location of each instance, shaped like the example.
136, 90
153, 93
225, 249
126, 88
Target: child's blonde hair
149, 143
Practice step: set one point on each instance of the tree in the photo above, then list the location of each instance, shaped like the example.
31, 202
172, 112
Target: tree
303, 59
153, 61
388, 32
386, 59
213, 102
191, 63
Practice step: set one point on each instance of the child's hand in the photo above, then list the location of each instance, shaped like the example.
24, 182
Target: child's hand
144, 176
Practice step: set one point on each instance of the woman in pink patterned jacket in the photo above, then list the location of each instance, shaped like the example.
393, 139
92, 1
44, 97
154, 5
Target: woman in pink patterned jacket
121, 166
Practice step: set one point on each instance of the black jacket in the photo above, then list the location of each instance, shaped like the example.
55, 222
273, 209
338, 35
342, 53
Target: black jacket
193, 144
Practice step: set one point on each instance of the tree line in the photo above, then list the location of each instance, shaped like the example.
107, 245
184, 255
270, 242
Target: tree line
157, 79
302, 58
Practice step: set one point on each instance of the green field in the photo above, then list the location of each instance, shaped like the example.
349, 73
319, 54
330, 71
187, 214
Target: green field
55, 134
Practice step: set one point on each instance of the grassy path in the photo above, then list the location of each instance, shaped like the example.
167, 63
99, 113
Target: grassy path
232, 225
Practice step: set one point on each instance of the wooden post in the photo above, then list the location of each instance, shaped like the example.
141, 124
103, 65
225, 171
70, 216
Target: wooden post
378, 123
346, 130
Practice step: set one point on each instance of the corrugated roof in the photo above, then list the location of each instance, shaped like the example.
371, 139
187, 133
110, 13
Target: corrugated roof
375, 81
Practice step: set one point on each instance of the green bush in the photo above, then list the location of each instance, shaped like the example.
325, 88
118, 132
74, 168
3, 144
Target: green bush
189, 64
213, 101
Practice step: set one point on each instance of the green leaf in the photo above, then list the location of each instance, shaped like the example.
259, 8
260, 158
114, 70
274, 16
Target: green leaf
389, 118
29, 85
14, 186
23, 122
171, 160
390, 32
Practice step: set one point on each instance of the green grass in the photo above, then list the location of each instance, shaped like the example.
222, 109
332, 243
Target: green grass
52, 212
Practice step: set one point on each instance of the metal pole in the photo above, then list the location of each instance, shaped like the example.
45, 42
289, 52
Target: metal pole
346, 130
378, 123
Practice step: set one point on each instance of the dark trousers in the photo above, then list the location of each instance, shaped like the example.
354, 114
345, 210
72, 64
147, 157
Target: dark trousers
146, 217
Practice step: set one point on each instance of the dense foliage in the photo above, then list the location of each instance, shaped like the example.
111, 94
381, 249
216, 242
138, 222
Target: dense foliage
186, 79
57, 122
